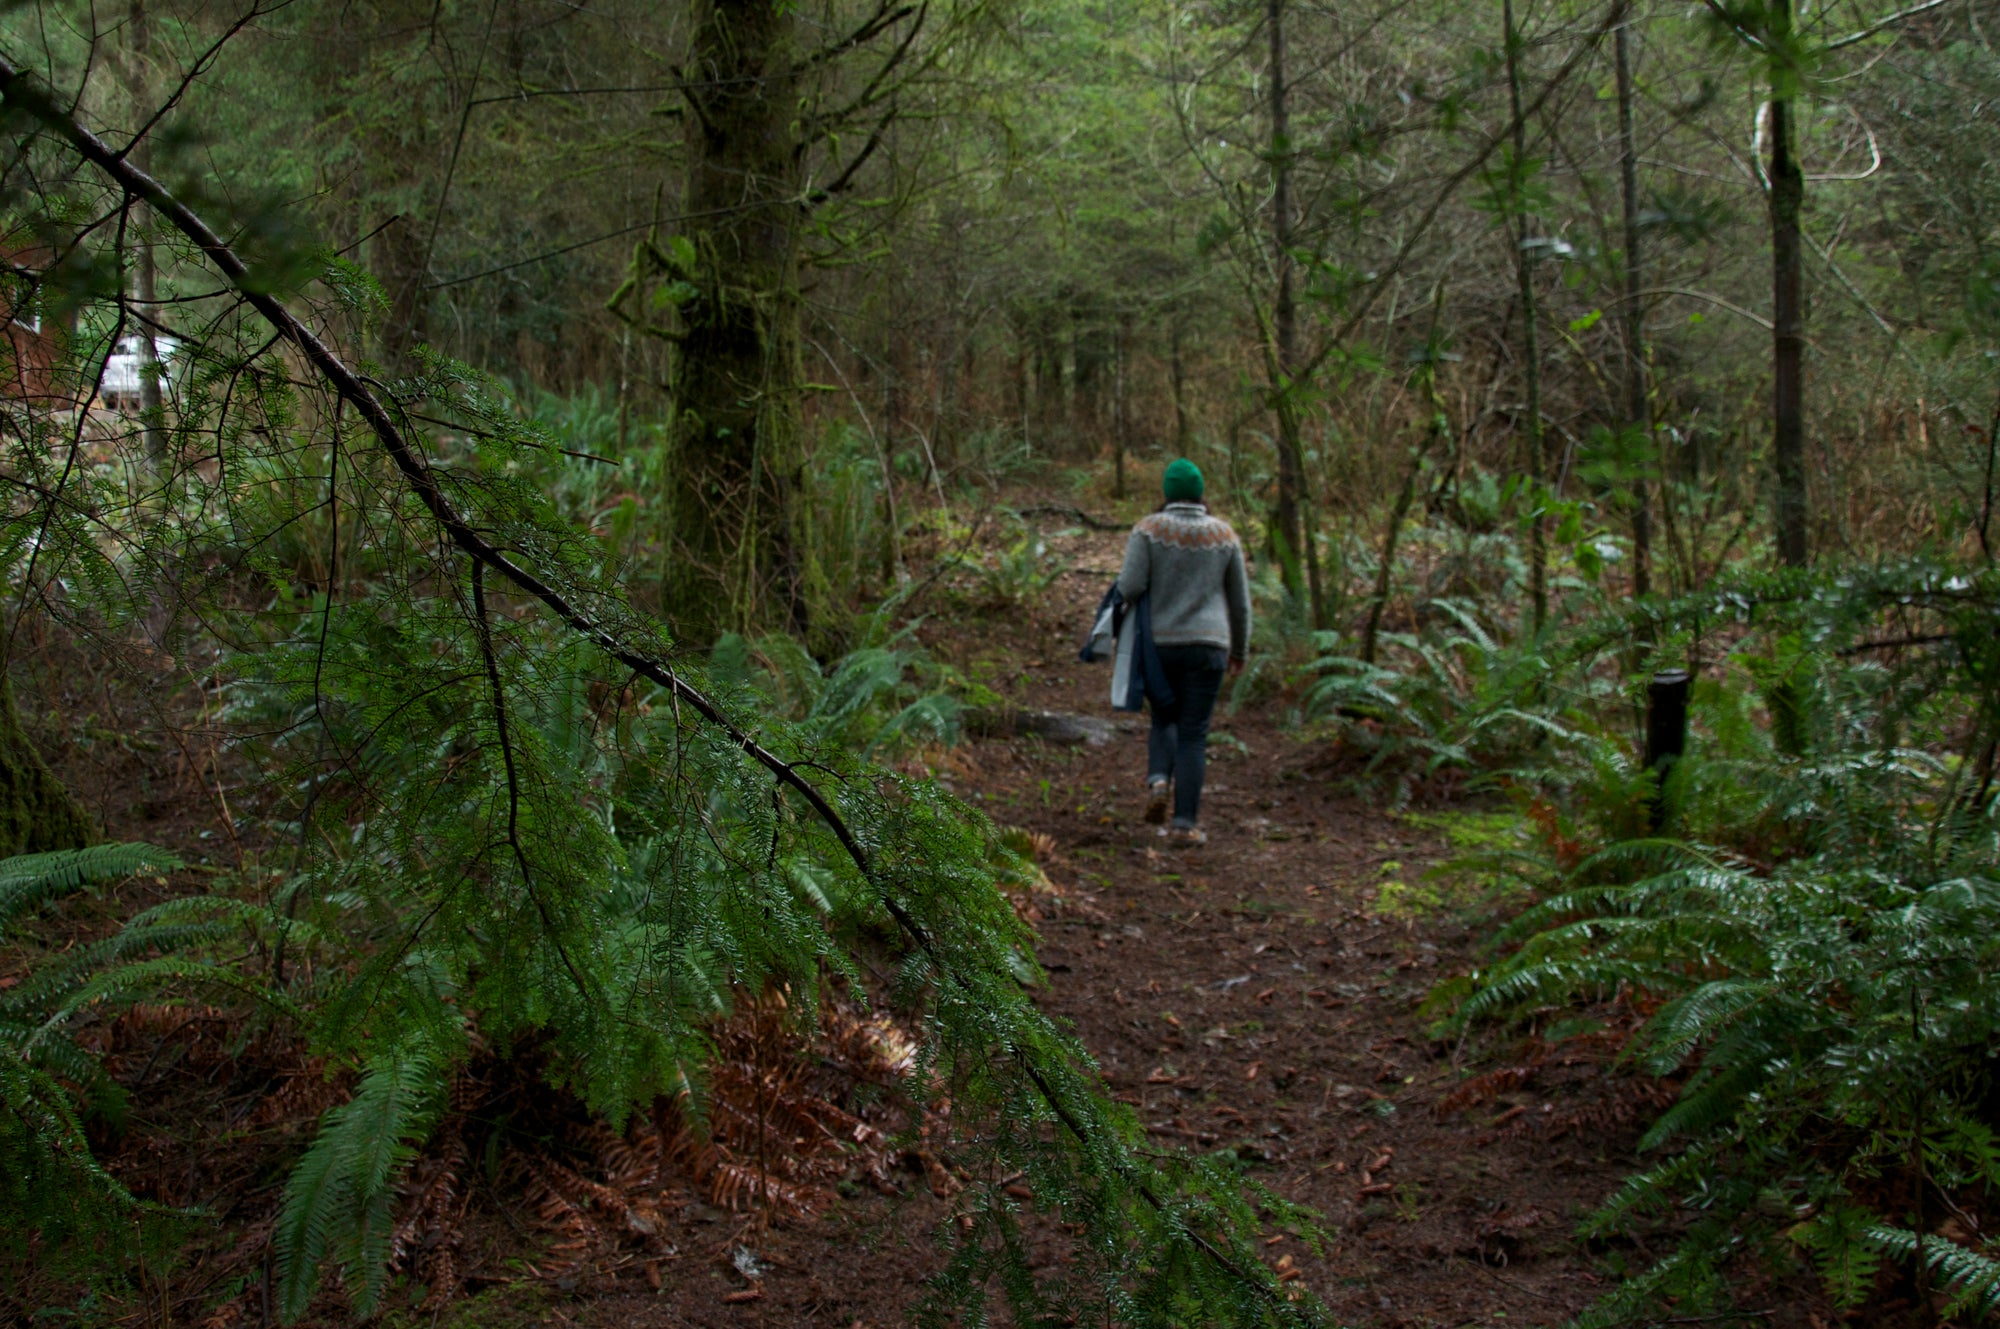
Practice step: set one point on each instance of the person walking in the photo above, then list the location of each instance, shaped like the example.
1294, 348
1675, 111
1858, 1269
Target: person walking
1189, 564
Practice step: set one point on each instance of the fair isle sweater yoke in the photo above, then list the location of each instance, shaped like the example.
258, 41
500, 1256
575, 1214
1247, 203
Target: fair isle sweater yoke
1191, 565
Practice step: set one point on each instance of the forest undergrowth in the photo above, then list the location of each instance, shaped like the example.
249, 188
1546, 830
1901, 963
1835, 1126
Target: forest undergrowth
525, 1204
1758, 980
544, 774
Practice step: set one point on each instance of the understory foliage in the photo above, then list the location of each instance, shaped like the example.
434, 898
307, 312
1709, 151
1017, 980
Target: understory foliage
50, 1185
507, 844
1455, 689
1812, 933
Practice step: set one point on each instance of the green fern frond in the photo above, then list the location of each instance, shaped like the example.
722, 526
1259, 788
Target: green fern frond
169, 973
26, 880
1709, 1103
1673, 1033
1691, 1280
50, 1183
1973, 1278
1843, 1252
1652, 1192
337, 1204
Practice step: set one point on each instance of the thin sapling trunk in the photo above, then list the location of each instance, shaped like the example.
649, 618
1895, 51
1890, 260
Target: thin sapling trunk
1535, 465
1788, 331
1638, 414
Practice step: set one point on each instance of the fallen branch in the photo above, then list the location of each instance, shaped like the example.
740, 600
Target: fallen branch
1076, 514
1896, 643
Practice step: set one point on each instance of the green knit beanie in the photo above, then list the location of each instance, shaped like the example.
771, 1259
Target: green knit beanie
1182, 482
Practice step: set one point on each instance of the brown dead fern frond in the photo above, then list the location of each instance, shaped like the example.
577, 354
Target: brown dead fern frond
426, 1241
1022, 861
1622, 1104
564, 1216
1485, 1088
301, 1095
779, 1124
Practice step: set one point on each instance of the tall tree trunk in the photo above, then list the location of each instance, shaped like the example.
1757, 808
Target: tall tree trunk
1121, 351
1536, 466
1788, 334
397, 155
36, 812
1048, 363
1309, 519
1177, 379
736, 379
1017, 379
1638, 415
1282, 359
955, 401
1234, 468
1440, 423
396, 257
1399, 511
146, 291
145, 265
1091, 354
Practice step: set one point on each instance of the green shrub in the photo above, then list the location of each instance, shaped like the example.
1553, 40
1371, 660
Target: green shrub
1821, 937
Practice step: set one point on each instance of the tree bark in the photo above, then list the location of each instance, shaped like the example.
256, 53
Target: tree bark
37, 813
736, 379
396, 147
1788, 334
1121, 352
1439, 424
1177, 380
1535, 465
1378, 603
1638, 414
1283, 359
1050, 401
145, 274
1092, 353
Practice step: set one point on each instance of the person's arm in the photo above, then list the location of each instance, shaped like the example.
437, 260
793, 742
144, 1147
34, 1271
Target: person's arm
1236, 591
1137, 574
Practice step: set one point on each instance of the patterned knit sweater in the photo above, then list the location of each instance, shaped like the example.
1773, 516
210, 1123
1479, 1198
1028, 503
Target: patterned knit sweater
1192, 566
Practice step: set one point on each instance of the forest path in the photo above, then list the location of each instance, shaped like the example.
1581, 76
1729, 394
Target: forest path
1258, 993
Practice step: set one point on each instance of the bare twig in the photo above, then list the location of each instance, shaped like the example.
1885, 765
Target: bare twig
881, 19
1614, 16
1076, 514
1897, 643
1884, 23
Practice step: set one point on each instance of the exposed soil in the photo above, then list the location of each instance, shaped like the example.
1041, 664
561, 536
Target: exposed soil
1258, 994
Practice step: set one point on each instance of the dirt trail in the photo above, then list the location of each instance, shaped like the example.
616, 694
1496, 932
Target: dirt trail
1249, 994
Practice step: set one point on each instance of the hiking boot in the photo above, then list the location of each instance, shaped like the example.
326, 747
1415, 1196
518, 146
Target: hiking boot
1186, 837
1156, 802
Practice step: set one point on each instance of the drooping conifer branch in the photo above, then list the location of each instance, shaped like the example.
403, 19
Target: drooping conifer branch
19, 91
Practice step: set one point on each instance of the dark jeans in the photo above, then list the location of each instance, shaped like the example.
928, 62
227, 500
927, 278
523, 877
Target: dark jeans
1177, 749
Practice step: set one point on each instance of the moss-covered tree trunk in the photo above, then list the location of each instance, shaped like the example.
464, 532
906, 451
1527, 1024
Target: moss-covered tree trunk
1281, 350
1534, 463
735, 500
1788, 318
1638, 410
36, 812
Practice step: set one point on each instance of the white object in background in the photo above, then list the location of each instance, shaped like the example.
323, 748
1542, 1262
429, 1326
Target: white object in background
119, 386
